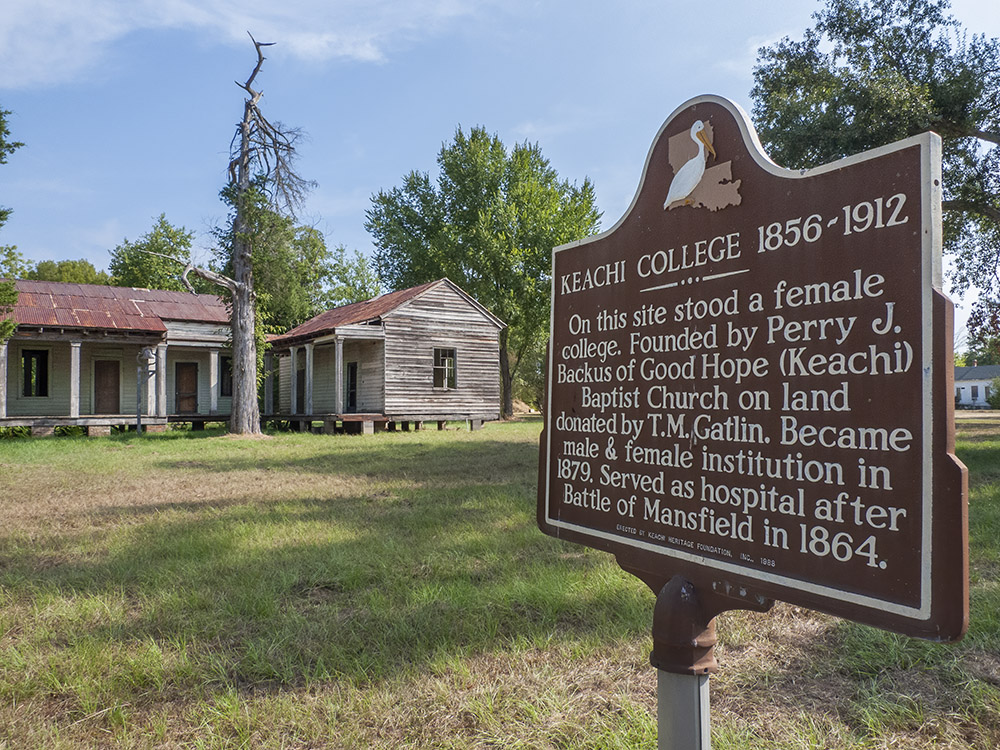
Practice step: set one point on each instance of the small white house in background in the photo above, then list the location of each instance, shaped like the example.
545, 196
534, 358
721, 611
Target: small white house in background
972, 385
430, 353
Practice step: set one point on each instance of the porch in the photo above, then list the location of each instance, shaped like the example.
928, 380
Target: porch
53, 379
367, 424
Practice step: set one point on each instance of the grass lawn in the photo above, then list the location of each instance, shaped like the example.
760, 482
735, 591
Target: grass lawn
200, 591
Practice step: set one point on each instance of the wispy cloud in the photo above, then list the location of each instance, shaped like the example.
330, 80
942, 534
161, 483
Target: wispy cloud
49, 188
46, 42
339, 203
108, 233
561, 121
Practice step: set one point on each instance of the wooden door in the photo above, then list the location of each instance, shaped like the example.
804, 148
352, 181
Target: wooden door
300, 391
107, 386
186, 387
351, 388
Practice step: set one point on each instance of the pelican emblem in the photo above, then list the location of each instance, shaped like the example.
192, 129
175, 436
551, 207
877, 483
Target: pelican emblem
690, 174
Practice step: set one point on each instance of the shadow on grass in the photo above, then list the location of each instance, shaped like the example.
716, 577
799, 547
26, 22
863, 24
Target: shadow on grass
441, 558
483, 461
436, 558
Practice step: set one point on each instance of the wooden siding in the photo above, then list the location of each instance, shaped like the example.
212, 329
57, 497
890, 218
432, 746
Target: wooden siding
57, 402
324, 382
197, 334
368, 355
283, 402
200, 357
125, 357
441, 318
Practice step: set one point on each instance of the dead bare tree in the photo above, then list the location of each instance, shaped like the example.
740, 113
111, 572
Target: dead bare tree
261, 158
261, 164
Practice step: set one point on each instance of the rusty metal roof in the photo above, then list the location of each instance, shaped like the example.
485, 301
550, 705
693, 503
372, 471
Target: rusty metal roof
51, 303
368, 311
358, 312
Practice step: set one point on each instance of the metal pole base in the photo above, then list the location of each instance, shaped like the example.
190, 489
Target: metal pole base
682, 712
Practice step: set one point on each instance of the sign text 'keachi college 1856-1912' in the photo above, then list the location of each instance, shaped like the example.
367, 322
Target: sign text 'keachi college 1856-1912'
751, 382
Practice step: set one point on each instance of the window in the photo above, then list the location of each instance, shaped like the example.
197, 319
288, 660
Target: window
35, 366
444, 368
226, 377
975, 392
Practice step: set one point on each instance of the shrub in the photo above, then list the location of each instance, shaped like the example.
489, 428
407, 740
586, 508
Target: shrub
993, 393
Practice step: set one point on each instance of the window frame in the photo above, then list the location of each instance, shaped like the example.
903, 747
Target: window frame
225, 376
43, 371
445, 368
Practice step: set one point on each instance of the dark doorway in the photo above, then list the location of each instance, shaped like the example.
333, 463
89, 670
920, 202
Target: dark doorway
107, 386
351, 388
186, 387
300, 391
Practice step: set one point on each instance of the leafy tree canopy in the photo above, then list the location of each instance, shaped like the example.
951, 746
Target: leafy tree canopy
295, 275
993, 393
353, 279
70, 271
982, 349
133, 264
489, 223
9, 256
7, 146
12, 263
875, 71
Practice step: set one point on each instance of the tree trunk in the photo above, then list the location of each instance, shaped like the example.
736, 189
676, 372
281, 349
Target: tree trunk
245, 416
506, 381
268, 150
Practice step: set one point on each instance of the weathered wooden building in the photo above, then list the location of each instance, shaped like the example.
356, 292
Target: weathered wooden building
425, 354
73, 359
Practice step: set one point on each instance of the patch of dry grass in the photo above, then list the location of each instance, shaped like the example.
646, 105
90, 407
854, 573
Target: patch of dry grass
393, 592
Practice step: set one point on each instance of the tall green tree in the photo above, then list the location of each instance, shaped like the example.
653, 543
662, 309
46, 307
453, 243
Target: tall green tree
291, 265
870, 72
8, 292
982, 349
353, 279
489, 224
12, 263
69, 271
145, 262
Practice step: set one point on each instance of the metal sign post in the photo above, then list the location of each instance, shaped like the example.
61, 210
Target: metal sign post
682, 713
682, 654
750, 396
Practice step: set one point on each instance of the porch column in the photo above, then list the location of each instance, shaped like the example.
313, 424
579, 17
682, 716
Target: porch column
338, 368
161, 380
3, 379
309, 378
74, 378
151, 386
293, 390
268, 383
213, 381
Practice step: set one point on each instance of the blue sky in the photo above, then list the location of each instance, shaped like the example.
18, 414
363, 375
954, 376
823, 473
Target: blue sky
127, 107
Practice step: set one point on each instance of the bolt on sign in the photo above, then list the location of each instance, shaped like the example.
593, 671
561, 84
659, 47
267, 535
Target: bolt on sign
750, 380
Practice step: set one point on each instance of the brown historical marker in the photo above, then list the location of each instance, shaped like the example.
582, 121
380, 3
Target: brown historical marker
750, 382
